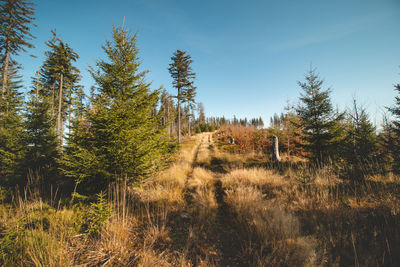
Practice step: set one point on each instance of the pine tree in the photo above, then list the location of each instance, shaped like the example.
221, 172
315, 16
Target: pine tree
11, 128
318, 120
16, 17
292, 131
183, 77
120, 137
42, 153
387, 143
59, 78
395, 110
361, 142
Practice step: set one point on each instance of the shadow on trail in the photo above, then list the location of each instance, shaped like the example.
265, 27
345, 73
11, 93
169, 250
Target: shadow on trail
226, 230
216, 165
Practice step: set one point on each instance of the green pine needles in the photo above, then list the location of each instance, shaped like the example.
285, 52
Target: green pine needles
318, 121
120, 136
98, 215
395, 110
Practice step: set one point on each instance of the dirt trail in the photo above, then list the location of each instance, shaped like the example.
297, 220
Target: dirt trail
222, 235
188, 192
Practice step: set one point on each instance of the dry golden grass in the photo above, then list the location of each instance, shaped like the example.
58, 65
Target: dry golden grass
270, 235
200, 178
168, 185
202, 184
35, 234
253, 177
193, 214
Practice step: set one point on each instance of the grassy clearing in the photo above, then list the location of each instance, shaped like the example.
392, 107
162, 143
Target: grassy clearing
212, 208
329, 221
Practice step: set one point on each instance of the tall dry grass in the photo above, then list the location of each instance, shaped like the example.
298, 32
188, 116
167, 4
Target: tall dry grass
269, 234
210, 208
329, 220
135, 232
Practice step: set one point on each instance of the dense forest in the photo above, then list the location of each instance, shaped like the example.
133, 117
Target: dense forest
80, 168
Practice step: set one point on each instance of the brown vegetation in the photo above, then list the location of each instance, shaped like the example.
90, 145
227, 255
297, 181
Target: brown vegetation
215, 208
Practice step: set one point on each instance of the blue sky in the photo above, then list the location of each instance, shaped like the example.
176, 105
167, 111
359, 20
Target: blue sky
248, 55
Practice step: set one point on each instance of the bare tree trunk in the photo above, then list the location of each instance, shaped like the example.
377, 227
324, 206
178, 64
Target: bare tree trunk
62, 134
59, 123
168, 122
275, 151
37, 86
189, 125
5, 71
179, 115
69, 122
53, 100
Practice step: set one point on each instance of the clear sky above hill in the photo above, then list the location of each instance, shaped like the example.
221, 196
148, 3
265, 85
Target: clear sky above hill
248, 55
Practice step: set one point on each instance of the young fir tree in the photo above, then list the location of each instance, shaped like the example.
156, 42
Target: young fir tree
395, 110
292, 131
59, 78
120, 138
183, 76
387, 143
318, 121
11, 128
42, 153
361, 142
16, 17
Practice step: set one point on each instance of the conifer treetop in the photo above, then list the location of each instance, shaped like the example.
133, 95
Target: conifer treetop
16, 17
119, 76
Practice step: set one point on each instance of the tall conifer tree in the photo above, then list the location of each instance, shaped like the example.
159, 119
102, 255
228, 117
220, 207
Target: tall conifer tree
395, 110
11, 127
183, 76
59, 78
318, 120
120, 138
16, 17
42, 153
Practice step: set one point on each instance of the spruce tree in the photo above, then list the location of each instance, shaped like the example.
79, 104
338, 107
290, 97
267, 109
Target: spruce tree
395, 110
183, 76
11, 128
42, 153
16, 17
119, 137
59, 78
361, 142
387, 143
318, 120
291, 131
